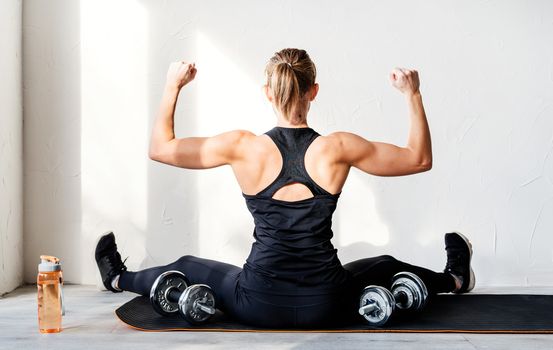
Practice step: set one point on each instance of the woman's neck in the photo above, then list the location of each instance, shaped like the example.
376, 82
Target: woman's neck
286, 124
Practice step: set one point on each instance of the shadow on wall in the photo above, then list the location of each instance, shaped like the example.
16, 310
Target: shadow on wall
172, 196
52, 158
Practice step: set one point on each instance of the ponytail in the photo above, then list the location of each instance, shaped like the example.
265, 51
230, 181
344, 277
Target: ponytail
286, 89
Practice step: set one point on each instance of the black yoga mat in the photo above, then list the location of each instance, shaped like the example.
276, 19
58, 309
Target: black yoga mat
478, 313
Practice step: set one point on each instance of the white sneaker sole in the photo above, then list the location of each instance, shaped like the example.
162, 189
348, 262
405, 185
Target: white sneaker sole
472, 280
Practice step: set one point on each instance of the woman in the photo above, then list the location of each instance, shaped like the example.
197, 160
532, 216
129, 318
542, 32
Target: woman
291, 178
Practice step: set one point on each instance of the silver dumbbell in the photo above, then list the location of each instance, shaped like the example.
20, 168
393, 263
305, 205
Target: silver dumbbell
172, 294
377, 304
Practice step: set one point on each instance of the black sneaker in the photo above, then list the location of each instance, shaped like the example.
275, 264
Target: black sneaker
459, 254
109, 260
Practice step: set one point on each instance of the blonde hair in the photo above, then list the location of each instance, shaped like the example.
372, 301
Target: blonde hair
290, 74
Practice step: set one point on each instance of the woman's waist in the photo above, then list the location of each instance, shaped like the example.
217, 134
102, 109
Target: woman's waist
292, 250
289, 281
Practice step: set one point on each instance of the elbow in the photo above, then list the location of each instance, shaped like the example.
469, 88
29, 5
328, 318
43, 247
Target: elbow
163, 155
155, 154
158, 151
421, 162
152, 154
160, 157
424, 165
153, 157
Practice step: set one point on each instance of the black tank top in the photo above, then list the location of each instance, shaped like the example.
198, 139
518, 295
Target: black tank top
292, 253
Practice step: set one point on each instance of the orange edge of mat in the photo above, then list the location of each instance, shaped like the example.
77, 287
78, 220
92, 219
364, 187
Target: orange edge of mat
333, 330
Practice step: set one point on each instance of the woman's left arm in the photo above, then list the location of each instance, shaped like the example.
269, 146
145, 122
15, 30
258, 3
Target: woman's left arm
189, 152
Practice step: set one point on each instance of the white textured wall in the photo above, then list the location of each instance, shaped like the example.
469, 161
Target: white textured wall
94, 73
11, 159
52, 136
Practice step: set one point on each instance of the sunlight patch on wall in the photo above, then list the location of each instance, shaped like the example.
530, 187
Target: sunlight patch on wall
114, 124
227, 99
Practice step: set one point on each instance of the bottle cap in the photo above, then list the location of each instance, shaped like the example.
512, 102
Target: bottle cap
49, 263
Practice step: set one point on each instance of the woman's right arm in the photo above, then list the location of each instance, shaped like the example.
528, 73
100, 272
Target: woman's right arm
190, 152
384, 159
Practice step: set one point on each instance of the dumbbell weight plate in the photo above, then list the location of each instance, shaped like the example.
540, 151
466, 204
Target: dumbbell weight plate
159, 294
413, 287
189, 300
384, 301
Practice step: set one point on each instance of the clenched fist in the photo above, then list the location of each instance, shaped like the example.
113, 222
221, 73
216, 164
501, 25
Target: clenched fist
181, 73
405, 80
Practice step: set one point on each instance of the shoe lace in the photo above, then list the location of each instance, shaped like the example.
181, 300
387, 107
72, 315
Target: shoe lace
116, 266
454, 259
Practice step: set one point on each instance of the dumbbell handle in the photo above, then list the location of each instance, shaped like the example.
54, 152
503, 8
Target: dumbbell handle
367, 309
400, 297
207, 309
173, 295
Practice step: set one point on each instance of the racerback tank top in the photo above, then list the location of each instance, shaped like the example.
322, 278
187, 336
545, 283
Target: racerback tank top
292, 253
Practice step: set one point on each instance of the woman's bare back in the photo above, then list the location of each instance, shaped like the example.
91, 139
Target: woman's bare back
262, 162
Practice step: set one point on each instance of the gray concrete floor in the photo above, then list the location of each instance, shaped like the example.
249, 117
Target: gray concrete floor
90, 323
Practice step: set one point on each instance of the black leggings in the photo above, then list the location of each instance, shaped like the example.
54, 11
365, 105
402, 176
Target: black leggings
278, 311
